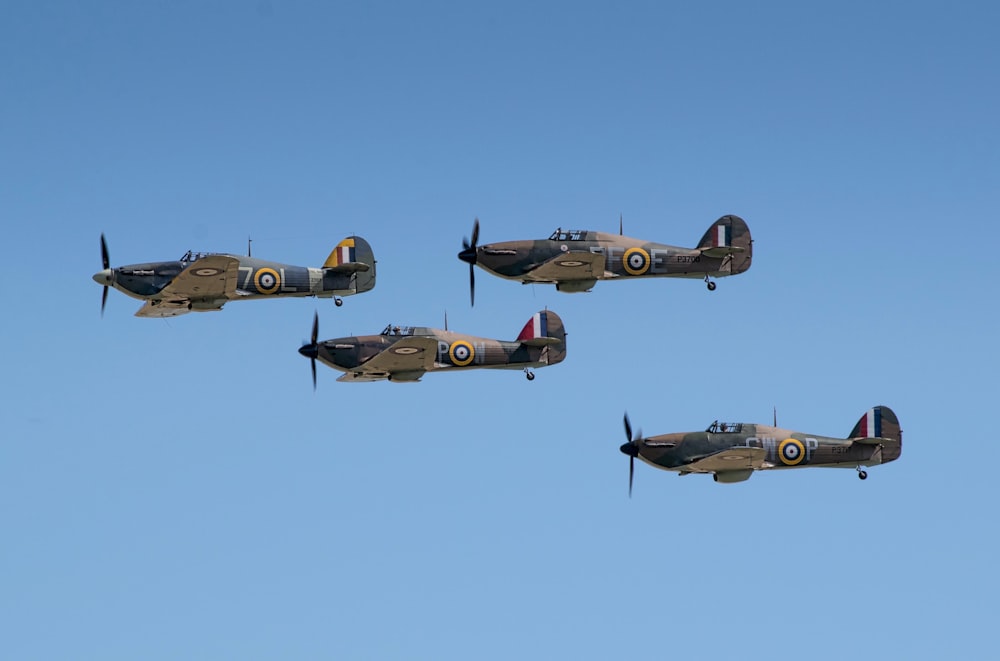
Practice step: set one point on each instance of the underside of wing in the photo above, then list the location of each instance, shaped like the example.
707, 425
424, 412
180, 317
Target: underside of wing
738, 458
212, 277
157, 309
400, 361
567, 266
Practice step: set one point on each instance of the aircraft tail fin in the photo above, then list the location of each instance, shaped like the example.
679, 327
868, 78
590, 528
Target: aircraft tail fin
729, 238
353, 256
545, 329
879, 425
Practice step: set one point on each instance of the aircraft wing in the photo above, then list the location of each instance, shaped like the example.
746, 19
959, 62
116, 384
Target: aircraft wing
210, 277
405, 360
162, 309
738, 458
572, 265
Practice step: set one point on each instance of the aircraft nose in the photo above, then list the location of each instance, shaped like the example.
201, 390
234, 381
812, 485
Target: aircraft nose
105, 277
309, 351
630, 448
468, 255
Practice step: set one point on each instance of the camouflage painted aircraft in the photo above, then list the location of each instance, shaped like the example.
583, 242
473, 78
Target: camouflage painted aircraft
574, 260
202, 282
731, 452
407, 353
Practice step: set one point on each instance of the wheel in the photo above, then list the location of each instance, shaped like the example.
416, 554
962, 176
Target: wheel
338, 302
862, 475
711, 286
531, 377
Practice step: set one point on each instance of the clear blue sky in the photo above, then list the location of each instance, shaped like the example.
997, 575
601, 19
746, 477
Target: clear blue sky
175, 489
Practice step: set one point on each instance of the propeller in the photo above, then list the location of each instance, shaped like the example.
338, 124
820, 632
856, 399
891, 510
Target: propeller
311, 350
106, 275
469, 255
631, 448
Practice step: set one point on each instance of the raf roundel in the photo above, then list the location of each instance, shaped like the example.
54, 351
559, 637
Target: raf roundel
636, 261
461, 353
267, 281
791, 451
207, 272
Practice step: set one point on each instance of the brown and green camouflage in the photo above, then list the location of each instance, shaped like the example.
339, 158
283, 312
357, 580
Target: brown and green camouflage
731, 452
406, 353
204, 282
574, 260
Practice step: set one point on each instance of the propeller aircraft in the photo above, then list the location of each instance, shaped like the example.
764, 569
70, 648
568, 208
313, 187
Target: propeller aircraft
203, 282
406, 353
574, 260
731, 452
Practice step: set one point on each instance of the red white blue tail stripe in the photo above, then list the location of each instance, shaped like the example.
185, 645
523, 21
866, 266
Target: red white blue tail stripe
723, 237
871, 423
537, 326
344, 253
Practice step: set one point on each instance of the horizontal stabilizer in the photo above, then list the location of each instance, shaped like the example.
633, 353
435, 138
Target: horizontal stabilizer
721, 251
541, 342
349, 267
873, 441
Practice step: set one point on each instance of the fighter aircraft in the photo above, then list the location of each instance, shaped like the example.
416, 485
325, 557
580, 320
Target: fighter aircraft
406, 353
731, 452
574, 260
202, 282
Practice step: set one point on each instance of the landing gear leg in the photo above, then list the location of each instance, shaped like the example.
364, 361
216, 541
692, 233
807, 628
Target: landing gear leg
529, 374
862, 475
338, 301
709, 284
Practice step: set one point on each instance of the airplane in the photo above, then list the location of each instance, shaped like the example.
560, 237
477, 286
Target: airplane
204, 282
574, 260
406, 353
731, 452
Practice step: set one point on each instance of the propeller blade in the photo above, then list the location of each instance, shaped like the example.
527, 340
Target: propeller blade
104, 252
106, 264
631, 474
472, 285
470, 255
631, 448
311, 350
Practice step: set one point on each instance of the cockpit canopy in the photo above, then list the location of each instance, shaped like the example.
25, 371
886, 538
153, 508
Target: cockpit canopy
398, 330
191, 256
724, 427
568, 235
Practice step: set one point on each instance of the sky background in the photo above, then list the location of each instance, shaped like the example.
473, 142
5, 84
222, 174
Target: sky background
175, 488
